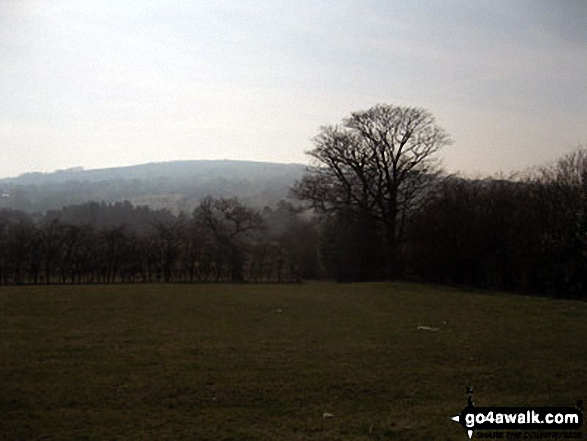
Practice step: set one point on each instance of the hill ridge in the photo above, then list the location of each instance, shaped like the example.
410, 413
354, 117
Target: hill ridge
176, 185
79, 171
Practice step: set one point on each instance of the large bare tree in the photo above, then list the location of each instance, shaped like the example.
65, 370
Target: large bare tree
377, 162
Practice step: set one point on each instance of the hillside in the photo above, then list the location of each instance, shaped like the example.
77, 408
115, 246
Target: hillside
177, 185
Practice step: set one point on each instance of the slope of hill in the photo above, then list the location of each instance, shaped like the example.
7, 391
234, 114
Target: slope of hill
177, 185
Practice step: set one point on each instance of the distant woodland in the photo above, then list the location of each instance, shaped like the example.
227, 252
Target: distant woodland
351, 217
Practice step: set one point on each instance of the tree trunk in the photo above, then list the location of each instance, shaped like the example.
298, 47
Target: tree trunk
391, 247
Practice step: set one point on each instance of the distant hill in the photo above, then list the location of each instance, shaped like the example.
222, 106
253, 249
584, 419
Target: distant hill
176, 185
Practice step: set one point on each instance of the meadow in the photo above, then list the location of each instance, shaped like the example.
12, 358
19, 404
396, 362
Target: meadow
313, 361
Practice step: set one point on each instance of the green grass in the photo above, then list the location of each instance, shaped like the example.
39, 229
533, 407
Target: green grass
219, 362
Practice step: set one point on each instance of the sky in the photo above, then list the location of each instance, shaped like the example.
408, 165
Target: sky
111, 83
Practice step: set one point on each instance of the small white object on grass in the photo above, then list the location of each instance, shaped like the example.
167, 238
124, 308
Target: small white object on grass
278, 310
327, 415
427, 328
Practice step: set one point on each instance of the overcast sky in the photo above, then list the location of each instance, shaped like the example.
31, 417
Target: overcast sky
109, 82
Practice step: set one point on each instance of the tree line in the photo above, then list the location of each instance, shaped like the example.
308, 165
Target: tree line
375, 205
390, 212
527, 234
221, 241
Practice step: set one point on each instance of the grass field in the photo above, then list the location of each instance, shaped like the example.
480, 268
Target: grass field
265, 362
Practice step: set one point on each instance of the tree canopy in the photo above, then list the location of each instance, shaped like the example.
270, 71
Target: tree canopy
378, 163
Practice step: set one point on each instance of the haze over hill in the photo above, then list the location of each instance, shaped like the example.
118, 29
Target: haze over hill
177, 185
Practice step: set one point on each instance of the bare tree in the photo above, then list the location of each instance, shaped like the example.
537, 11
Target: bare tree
561, 193
377, 162
230, 224
169, 242
52, 238
112, 241
22, 237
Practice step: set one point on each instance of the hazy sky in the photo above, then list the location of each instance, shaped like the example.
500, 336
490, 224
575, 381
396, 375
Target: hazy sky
109, 82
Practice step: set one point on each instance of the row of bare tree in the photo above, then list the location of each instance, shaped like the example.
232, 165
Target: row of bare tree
525, 234
391, 213
521, 234
222, 240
